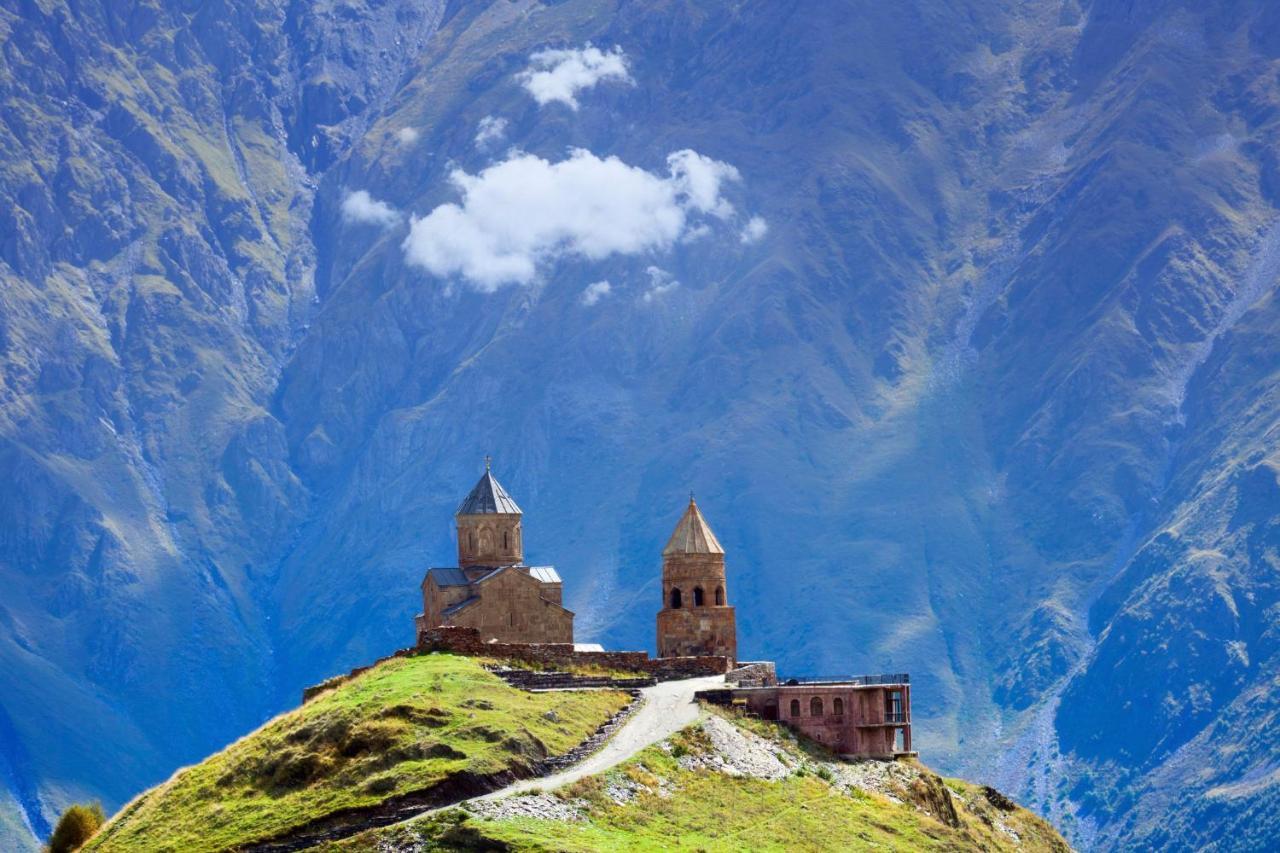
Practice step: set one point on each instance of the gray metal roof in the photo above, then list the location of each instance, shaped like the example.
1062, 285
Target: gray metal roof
449, 577
488, 497
457, 577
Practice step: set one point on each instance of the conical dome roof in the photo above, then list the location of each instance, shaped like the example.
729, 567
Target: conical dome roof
488, 497
693, 535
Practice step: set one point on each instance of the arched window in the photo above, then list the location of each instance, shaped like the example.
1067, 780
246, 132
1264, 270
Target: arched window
720, 596
815, 706
675, 598
505, 546
697, 596
795, 707
837, 706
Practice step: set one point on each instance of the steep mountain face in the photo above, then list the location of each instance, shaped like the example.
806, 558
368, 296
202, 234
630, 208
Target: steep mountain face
990, 395
157, 266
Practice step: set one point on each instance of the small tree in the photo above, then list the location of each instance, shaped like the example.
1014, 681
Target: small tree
76, 826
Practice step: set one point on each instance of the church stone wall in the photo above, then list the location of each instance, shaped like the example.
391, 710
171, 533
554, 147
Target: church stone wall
512, 609
490, 539
706, 630
436, 599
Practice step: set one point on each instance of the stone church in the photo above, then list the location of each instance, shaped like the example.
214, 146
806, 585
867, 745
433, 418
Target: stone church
494, 591
491, 589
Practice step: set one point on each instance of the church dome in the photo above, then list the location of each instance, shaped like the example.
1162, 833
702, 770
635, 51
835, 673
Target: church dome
692, 535
488, 498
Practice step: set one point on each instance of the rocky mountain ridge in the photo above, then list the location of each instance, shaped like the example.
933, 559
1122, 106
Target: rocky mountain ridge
992, 399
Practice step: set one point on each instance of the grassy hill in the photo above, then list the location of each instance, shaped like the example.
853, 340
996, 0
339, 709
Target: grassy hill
408, 725
443, 723
733, 784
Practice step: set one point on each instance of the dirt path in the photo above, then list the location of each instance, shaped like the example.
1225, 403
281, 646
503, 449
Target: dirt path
668, 707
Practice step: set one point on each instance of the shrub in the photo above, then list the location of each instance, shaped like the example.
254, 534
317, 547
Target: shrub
76, 826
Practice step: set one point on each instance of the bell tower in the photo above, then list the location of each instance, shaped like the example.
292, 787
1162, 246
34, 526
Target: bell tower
695, 618
489, 533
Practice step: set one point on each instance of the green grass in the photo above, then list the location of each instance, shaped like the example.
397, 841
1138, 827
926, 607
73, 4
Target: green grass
680, 809
408, 724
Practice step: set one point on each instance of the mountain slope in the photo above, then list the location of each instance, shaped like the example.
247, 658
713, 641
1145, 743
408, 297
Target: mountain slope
734, 784
991, 399
412, 726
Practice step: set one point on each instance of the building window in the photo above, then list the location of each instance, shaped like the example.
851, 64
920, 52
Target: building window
697, 596
505, 546
720, 596
473, 540
893, 707
837, 706
795, 707
675, 598
815, 706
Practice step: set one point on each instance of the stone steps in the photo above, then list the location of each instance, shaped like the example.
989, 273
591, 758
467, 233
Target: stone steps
526, 679
593, 743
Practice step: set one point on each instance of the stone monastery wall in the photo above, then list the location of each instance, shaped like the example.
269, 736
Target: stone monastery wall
450, 638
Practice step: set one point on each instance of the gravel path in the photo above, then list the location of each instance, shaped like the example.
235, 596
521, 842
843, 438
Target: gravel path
668, 707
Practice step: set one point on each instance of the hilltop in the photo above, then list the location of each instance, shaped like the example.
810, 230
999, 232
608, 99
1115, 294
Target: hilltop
416, 734
427, 726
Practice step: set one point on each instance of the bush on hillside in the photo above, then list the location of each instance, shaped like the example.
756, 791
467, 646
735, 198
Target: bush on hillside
76, 826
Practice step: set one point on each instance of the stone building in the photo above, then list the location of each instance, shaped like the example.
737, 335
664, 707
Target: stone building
696, 618
864, 717
491, 589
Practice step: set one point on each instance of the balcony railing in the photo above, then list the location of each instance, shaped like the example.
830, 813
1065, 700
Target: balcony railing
895, 716
856, 680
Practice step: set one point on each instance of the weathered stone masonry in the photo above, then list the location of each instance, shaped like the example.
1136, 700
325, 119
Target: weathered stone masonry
467, 641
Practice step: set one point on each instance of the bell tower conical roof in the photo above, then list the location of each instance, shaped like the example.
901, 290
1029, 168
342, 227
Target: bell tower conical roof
692, 535
488, 497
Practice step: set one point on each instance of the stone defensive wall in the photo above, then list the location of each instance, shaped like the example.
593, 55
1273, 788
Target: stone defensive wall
466, 641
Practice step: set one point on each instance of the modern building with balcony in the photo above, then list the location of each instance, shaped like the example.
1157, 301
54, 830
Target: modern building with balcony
865, 716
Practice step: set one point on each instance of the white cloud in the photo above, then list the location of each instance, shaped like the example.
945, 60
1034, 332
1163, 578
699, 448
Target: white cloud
559, 75
660, 282
490, 130
407, 135
595, 292
522, 213
699, 178
696, 233
755, 229
363, 208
